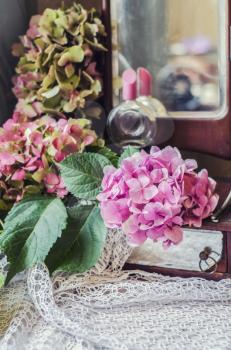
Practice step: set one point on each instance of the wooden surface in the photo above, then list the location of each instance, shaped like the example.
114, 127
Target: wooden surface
213, 137
179, 273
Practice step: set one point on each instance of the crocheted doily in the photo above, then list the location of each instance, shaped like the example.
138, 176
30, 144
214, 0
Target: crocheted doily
108, 308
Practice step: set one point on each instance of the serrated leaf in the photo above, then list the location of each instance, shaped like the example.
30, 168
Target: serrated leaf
128, 152
30, 230
89, 245
109, 154
106, 152
77, 216
82, 174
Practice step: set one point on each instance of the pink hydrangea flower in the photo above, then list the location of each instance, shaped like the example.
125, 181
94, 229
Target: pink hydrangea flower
55, 184
30, 148
154, 195
30, 110
25, 84
33, 31
200, 199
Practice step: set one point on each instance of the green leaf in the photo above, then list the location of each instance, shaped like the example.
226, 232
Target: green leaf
72, 54
106, 152
109, 154
30, 230
77, 216
89, 244
128, 152
82, 174
32, 189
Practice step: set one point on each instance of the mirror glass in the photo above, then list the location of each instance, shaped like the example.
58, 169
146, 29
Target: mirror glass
184, 45
185, 256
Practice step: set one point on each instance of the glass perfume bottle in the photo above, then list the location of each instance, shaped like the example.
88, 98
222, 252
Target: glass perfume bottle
131, 122
165, 125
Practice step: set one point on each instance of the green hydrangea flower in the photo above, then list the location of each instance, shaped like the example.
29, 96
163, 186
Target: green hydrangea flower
58, 68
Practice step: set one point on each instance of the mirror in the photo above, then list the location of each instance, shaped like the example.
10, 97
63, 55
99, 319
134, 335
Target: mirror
185, 256
184, 45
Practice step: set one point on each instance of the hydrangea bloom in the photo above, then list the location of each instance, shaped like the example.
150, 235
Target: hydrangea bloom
26, 84
59, 55
29, 150
154, 195
200, 199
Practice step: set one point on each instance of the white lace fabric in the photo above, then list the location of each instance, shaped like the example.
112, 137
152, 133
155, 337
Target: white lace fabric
111, 309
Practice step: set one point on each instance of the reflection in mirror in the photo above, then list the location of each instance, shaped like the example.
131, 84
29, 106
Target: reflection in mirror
185, 256
183, 43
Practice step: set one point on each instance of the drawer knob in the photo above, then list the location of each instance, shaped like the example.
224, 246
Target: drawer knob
206, 259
